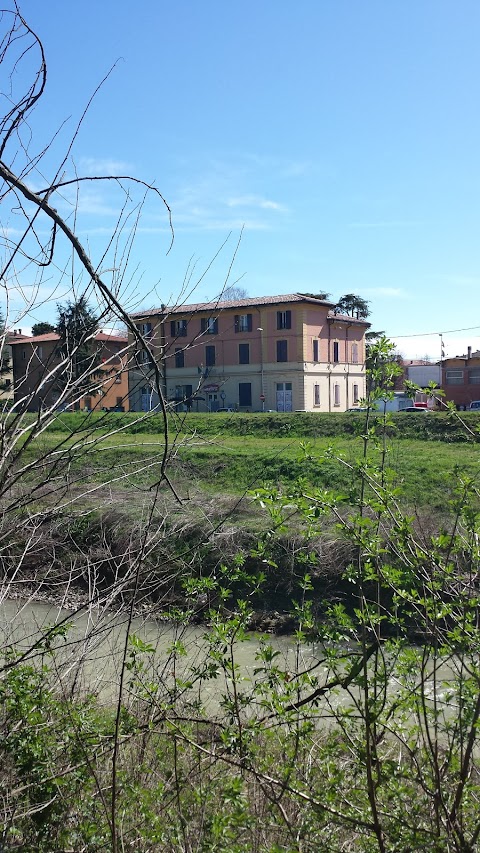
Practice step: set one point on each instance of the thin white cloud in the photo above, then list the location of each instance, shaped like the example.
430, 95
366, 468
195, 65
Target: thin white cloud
103, 166
219, 198
89, 202
256, 202
297, 169
218, 223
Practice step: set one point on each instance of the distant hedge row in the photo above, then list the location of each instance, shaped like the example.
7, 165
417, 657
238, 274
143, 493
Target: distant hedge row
432, 426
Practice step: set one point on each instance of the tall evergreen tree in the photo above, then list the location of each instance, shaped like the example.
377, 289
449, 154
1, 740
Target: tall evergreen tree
42, 328
353, 305
76, 325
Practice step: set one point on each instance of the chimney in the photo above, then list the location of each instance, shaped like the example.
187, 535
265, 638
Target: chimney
469, 352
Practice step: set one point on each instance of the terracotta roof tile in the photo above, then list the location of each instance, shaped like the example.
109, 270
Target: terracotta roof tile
215, 307
232, 303
52, 336
35, 339
104, 336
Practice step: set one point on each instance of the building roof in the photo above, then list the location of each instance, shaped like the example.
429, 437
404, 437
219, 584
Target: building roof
221, 305
111, 338
103, 337
247, 302
465, 357
14, 336
36, 339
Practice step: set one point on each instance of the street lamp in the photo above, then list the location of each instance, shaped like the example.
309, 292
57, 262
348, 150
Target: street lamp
262, 393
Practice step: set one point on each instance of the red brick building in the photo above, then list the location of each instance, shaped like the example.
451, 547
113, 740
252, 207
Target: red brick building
461, 378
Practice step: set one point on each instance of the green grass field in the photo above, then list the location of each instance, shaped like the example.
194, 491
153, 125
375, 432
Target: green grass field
423, 471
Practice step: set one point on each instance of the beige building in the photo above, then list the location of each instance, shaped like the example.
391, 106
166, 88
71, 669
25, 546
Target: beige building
6, 363
283, 353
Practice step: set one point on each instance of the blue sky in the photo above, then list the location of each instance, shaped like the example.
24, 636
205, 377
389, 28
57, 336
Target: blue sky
343, 136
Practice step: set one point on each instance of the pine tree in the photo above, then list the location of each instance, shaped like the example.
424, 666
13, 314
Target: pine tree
353, 305
42, 328
77, 324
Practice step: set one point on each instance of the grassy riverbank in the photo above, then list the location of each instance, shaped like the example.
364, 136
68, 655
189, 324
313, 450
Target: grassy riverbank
355, 736
440, 426
422, 467
98, 485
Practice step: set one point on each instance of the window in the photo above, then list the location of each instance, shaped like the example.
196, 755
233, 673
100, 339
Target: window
335, 352
244, 353
244, 393
454, 377
178, 328
336, 395
355, 393
315, 349
119, 402
210, 356
40, 352
88, 403
146, 330
8, 382
282, 351
183, 392
24, 353
179, 357
143, 357
316, 395
354, 353
474, 376
284, 319
209, 325
243, 323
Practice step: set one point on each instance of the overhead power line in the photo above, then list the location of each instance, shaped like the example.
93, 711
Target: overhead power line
447, 332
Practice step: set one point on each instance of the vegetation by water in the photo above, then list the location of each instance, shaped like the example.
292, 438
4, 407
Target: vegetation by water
367, 737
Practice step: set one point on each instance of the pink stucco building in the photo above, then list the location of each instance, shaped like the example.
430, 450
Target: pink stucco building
284, 353
42, 374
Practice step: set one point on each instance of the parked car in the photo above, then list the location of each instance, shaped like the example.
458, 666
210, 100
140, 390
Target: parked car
225, 409
414, 409
475, 404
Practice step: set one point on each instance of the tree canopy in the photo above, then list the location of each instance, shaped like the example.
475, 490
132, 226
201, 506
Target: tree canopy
76, 323
42, 328
353, 305
234, 292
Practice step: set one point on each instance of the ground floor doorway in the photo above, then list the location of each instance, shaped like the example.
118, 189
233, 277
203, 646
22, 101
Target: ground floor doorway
284, 396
